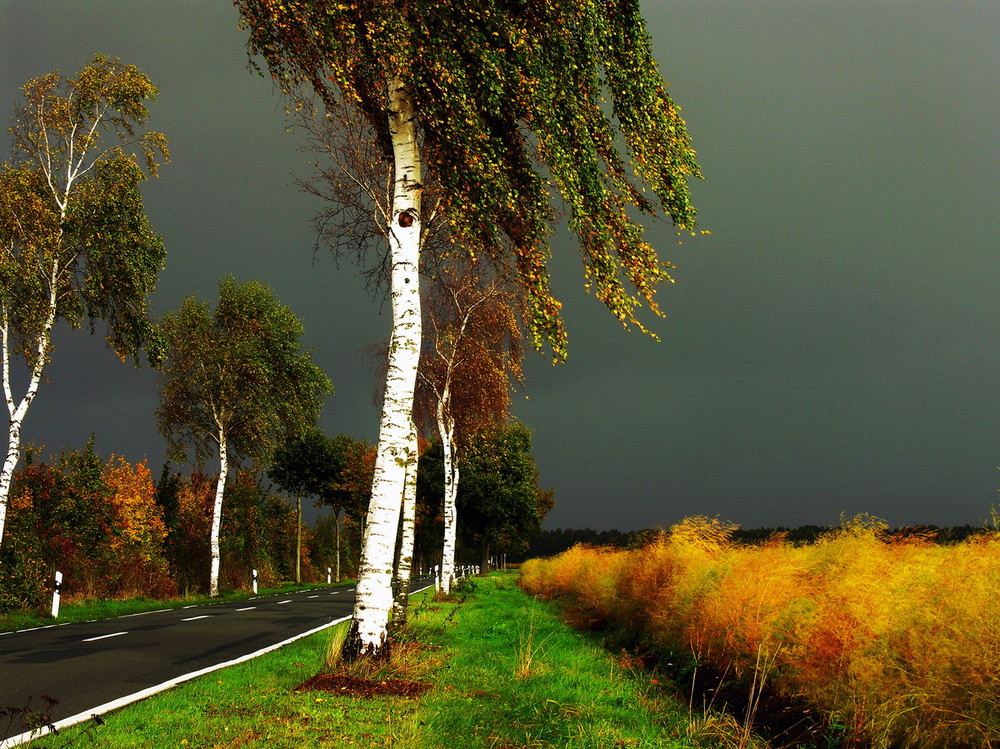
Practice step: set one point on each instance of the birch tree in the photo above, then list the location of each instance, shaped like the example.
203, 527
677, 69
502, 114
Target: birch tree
508, 103
472, 352
75, 243
235, 381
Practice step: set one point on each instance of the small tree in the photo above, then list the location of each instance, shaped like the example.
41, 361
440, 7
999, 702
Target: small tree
351, 490
499, 505
472, 350
235, 380
74, 239
306, 464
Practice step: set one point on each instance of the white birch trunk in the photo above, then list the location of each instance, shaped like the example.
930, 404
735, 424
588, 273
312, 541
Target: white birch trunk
407, 533
446, 429
220, 487
16, 412
374, 591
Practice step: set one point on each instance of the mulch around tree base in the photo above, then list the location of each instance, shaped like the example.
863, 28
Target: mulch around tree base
357, 687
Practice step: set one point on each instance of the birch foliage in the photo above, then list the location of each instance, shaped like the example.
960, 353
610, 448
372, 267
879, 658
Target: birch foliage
512, 104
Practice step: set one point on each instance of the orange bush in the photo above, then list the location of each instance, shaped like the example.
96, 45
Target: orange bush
895, 638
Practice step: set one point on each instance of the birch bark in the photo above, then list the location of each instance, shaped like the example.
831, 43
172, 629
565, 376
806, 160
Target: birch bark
368, 634
446, 428
220, 488
16, 413
407, 534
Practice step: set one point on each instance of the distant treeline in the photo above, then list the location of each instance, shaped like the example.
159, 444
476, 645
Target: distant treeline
551, 542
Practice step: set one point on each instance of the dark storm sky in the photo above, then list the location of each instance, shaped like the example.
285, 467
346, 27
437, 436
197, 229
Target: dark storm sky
833, 347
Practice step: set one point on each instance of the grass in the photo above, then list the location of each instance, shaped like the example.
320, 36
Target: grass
94, 609
504, 672
887, 641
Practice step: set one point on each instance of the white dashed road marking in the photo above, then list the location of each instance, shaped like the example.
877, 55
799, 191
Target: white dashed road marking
104, 637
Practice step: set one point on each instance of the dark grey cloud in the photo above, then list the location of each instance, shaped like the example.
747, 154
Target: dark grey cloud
831, 347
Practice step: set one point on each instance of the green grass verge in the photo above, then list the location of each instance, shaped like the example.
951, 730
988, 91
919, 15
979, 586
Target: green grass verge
505, 672
90, 610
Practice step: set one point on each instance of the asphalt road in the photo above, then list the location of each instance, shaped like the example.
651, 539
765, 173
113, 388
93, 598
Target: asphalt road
96, 666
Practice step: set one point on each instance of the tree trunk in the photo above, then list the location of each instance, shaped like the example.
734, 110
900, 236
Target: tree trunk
450, 493
484, 561
298, 540
368, 633
220, 487
336, 532
404, 565
16, 413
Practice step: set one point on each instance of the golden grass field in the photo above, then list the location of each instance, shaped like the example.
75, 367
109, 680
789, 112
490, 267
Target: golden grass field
897, 640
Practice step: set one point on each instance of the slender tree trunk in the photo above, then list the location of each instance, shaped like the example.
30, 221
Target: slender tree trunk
336, 531
484, 560
220, 487
447, 432
16, 413
368, 634
298, 540
404, 565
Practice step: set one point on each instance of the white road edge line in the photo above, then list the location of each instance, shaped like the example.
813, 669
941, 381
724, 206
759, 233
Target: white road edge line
103, 637
128, 699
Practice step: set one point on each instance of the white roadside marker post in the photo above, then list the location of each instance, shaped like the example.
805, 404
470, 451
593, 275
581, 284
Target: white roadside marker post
56, 592
329, 575
255, 582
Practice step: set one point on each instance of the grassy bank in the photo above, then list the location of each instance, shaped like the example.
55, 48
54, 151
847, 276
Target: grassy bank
498, 669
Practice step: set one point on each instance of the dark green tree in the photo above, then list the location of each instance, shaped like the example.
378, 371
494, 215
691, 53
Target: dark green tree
306, 464
500, 507
235, 380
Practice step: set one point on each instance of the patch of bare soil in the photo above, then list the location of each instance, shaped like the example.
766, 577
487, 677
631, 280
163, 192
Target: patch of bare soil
355, 686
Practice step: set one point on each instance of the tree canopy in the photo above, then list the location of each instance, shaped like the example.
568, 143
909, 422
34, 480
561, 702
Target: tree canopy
512, 105
306, 464
236, 372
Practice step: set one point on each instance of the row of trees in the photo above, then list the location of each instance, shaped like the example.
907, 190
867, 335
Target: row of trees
114, 532
486, 97
234, 381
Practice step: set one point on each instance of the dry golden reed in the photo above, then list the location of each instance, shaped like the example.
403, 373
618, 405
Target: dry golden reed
896, 639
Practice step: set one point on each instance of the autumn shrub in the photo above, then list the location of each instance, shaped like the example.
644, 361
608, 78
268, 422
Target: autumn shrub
24, 574
189, 499
136, 562
98, 523
893, 638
